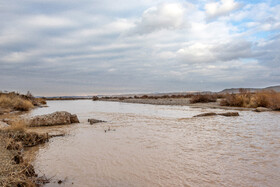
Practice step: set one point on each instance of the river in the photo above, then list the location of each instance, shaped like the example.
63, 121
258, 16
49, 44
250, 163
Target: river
156, 145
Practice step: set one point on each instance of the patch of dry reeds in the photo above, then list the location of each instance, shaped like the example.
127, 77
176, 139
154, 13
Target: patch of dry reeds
203, 98
15, 102
269, 99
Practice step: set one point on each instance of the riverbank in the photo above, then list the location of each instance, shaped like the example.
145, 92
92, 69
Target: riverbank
21, 133
14, 170
244, 100
175, 102
15, 136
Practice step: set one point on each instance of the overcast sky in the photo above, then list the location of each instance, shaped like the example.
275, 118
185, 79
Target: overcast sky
85, 47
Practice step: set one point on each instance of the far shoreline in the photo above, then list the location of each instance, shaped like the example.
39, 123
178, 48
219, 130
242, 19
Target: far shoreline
176, 102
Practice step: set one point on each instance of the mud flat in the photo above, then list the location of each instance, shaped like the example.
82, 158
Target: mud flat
177, 102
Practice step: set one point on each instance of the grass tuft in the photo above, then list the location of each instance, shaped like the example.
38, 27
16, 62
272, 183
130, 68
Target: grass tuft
15, 102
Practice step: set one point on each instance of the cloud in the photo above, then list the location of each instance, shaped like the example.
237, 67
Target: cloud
163, 16
217, 52
65, 47
221, 8
43, 21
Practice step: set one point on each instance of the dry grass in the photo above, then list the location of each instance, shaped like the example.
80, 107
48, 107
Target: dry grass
15, 102
203, 98
269, 99
14, 171
11, 173
17, 125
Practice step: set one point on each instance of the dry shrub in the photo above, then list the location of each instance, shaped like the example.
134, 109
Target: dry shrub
21, 175
273, 100
261, 99
269, 99
144, 97
95, 98
22, 105
15, 102
205, 98
41, 101
243, 99
235, 100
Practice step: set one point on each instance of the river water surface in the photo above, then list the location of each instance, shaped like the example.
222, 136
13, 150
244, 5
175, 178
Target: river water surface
155, 145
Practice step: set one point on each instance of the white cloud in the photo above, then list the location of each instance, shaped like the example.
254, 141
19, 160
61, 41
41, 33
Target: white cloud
154, 44
215, 52
48, 21
221, 8
163, 16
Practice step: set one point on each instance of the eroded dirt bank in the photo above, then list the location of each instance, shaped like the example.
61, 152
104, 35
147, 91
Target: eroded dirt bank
17, 133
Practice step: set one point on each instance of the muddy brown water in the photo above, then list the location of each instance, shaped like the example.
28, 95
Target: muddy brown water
154, 145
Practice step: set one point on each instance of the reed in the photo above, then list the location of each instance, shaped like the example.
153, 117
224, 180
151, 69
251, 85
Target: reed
269, 99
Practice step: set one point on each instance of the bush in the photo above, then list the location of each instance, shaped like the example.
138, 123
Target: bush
144, 97
205, 98
41, 101
269, 99
95, 98
273, 100
15, 102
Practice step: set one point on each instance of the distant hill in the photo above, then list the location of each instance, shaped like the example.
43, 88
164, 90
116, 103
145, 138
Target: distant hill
157, 94
236, 90
275, 88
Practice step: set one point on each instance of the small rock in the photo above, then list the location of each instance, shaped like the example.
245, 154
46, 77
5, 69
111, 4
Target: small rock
92, 121
206, 114
262, 109
228, 114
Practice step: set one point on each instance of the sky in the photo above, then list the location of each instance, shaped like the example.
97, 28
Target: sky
89, 47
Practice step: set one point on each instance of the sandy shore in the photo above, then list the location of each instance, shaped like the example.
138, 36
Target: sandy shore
177, 102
